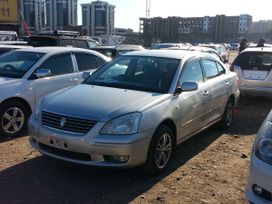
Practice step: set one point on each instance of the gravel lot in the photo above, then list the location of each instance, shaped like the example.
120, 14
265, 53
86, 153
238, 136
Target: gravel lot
209, 168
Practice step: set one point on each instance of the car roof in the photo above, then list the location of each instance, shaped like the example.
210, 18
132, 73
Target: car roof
174, 54
51, 49
14, 46
257, 49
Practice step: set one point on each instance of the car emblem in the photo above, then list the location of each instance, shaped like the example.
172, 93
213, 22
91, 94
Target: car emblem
62, 122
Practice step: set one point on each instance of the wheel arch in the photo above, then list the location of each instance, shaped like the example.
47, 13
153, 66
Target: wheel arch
21, 100
171, 124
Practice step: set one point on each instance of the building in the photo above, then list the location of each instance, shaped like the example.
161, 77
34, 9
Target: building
261, 29
33, 12
9, 16
219, 28
60, 14
98, 18
43, 15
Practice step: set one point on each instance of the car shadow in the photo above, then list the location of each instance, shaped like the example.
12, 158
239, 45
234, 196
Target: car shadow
46, 180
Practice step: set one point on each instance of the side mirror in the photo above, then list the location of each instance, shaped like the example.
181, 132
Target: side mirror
189, 86
41, 73
85, 75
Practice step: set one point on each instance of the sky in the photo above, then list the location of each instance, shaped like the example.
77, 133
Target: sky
128, 12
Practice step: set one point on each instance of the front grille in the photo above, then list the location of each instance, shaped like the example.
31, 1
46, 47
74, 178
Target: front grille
67, 123
65, 153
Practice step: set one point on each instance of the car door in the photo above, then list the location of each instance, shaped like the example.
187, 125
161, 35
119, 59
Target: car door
193, 105
218, 86
86, 63
62, 75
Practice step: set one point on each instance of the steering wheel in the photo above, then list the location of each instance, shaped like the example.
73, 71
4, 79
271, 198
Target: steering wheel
9, 67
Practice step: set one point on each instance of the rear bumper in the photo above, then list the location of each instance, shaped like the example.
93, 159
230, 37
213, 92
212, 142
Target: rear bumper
256, 91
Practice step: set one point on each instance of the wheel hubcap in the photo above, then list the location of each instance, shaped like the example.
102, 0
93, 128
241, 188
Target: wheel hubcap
13, 120
229, 114
163, 150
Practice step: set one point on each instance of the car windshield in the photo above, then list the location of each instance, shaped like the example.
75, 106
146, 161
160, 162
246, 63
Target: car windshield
151, 74
15, 64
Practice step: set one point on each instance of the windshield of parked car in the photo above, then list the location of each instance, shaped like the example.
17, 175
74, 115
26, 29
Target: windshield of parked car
151, 74
15, 64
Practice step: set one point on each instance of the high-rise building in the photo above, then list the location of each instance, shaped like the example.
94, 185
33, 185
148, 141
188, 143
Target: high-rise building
60, 14
219, 28
33, 12
98, 18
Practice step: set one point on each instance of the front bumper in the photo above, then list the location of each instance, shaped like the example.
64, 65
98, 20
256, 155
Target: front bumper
261, 175
91, 149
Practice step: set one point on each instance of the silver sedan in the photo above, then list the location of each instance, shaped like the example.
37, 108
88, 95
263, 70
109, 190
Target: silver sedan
259, 185
134, 110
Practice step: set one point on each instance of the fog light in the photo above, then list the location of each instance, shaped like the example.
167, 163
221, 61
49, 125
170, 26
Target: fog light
261, 192
116, 159
258, 190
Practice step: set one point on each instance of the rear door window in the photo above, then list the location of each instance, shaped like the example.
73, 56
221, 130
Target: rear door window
86, 61
66, 42
210, 68
254, 61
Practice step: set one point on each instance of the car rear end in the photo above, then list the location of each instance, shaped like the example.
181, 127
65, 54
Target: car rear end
254, 69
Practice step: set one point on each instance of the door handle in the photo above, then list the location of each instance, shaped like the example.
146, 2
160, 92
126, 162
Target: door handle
76, 79
206, 93
227, 83
71, 80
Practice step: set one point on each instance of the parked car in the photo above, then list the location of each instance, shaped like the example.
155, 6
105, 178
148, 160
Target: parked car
62, 38
259, 185
168, 45
6, 48
220, 49
134, 110
254, 69
114, 51
26, 75
234, 46
210, 51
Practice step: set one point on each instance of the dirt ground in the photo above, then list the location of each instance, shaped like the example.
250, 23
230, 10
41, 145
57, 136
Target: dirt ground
209, 168
212, 167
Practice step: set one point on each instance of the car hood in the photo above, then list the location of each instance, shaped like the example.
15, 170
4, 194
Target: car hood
100, 103
6, 81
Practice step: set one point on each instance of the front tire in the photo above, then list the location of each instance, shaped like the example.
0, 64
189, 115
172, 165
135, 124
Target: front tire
160, 150
13, 119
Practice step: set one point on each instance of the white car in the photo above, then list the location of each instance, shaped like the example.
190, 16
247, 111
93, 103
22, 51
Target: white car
259, 184
26, 75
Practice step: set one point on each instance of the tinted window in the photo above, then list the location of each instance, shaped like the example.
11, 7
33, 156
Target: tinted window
66, 42
81, 44
191, 72
60, 64
253, 60
210, 68
15, 64
85, 61
99, 61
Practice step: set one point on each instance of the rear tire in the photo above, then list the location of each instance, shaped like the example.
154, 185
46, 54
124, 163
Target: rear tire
160, 150
13, 119
228, 115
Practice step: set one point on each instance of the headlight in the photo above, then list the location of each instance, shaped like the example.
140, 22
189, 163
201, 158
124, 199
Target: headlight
124, 125
37, 112
264, 146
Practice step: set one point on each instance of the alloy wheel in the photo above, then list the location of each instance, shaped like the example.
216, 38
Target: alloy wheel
13, 120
